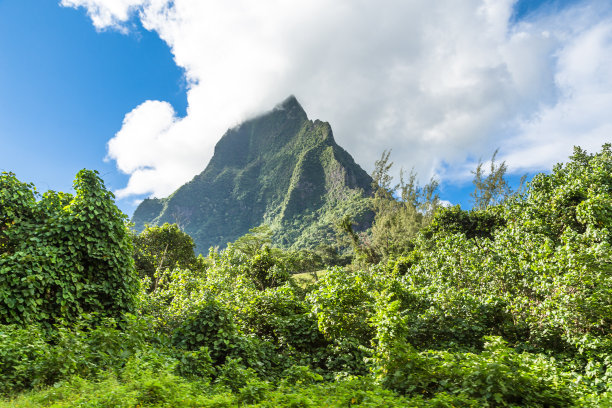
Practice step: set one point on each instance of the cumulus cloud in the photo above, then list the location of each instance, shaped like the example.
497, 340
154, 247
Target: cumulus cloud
440, 83
581, 115
108, 13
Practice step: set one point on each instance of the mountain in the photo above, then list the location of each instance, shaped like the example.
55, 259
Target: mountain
279, 169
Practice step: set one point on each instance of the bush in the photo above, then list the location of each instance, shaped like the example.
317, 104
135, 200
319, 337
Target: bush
31, 357
23, 351
475, 223
210, 326
279, 315
497, 377
342, 302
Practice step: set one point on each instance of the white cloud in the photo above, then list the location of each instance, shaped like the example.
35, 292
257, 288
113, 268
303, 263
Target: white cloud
441, 83
581, 115
107, 13
445, 203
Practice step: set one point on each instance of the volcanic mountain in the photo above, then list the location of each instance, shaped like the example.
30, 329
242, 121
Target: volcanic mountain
279, 169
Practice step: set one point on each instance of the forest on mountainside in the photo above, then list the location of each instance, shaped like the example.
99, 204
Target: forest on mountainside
280, 170
508, 304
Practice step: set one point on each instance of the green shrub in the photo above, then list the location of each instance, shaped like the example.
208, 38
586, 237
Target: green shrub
23, 351
281, 316
31, 357
211, 326
234, 375
195, 364
475, 223
299, 376
255, 390
497, 377
342, 302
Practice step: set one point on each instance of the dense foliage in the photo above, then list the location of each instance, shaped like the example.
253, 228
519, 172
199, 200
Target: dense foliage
506, 305
158, 248
401, 211
63, 256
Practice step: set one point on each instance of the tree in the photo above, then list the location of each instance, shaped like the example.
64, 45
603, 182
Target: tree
381, 179
543, 257
492, 188
158, 248
399, 218
266, 270
17, 201
256, 239
364, 252
63, 255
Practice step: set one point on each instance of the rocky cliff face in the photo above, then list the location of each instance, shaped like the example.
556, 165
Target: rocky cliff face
281, 169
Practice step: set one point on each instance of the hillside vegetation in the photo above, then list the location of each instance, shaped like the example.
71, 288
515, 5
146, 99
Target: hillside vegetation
280, 169
505, 305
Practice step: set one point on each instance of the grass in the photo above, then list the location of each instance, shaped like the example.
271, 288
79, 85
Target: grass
306, 278
171, 391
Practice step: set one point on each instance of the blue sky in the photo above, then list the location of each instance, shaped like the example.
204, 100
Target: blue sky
65, 88
425, 83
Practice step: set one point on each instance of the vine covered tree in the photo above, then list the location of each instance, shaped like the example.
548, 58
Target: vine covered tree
63, 255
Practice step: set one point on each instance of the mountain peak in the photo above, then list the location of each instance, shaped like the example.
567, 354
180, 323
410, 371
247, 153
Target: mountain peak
291, 105
279, 168
291, 100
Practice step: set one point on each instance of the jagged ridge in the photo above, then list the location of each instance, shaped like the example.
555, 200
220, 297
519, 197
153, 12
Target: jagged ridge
279, 168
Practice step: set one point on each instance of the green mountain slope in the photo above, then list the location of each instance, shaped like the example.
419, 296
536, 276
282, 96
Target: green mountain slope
281, 169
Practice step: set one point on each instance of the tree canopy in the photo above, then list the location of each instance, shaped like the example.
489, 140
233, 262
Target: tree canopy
61, 255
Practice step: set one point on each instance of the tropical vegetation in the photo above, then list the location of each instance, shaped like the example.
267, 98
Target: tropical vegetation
508, 304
